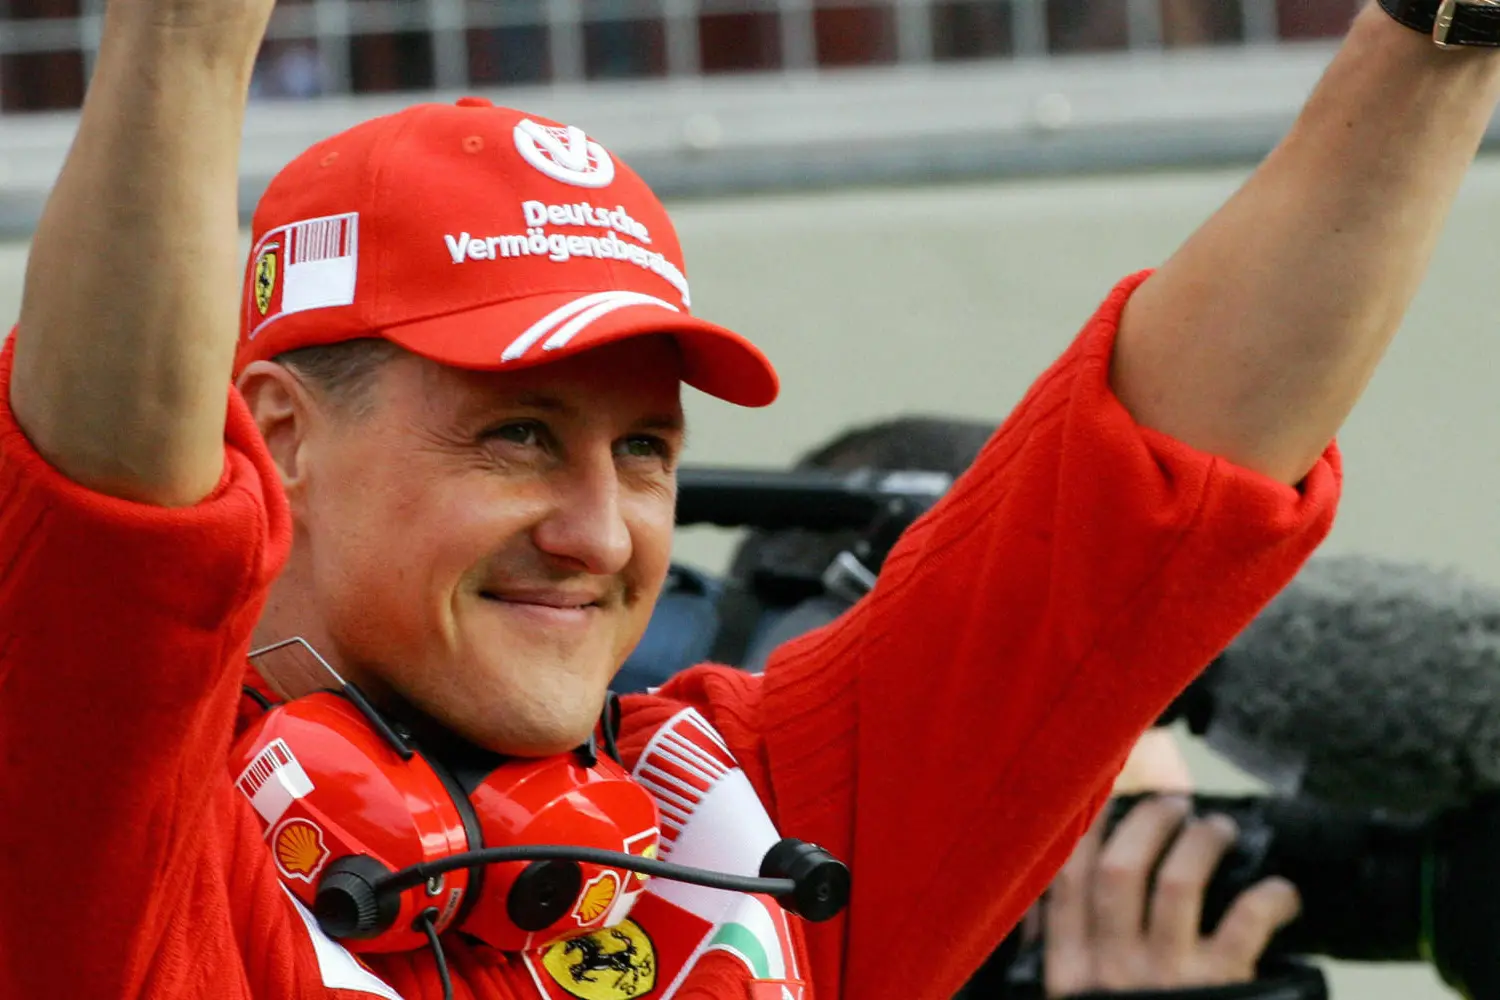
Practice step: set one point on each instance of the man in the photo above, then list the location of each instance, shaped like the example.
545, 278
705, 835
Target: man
472, 515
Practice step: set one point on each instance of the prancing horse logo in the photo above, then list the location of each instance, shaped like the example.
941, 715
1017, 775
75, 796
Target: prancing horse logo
614, 964
265, 277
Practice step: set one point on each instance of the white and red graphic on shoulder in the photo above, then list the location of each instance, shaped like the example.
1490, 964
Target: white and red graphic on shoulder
564, 153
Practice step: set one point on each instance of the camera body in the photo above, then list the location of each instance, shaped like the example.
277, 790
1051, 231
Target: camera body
1360, 877
1374, 887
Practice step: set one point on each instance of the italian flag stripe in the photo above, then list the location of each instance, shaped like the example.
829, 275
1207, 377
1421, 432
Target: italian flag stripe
755, 931
738, 939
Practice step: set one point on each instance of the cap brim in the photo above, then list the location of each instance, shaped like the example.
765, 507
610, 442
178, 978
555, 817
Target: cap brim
525, 332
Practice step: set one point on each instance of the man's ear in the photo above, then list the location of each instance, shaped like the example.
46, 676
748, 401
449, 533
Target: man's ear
283, 411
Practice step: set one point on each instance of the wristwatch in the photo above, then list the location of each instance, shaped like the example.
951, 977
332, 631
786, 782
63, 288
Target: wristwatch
1451, 23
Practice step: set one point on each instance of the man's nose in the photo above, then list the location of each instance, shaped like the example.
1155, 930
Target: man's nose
586, 527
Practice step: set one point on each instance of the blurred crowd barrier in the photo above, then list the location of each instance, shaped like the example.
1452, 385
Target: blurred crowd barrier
318, 48
715, 97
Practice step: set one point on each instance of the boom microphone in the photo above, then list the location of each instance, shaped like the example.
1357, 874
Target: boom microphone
813, 500
1366, 683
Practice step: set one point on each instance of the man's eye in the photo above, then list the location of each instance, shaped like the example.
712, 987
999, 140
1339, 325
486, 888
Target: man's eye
520, 432
644, 446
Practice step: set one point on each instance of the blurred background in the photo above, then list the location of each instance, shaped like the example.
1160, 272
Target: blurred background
912, 205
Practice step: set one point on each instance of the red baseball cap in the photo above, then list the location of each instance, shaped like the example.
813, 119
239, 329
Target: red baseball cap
479, 237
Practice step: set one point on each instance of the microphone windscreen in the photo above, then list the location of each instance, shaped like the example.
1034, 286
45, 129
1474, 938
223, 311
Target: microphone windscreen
1367, 683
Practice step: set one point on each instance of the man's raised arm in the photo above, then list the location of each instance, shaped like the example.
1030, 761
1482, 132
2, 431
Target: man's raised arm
1254, 341
128, 321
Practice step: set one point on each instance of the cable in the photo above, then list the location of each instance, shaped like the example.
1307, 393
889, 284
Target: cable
425, 922
419, 873
257, 697
610, 723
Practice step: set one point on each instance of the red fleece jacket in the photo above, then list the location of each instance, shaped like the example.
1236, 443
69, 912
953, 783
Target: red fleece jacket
950, 738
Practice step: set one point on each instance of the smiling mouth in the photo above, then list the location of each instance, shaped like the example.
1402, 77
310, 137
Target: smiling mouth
490, 595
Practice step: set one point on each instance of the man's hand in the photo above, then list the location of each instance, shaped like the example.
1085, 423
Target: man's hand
1109, 925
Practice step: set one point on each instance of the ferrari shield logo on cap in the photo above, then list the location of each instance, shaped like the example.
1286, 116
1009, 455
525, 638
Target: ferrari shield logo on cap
265, 277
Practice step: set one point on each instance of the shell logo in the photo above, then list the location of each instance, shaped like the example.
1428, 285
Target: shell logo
596, 897
297, 846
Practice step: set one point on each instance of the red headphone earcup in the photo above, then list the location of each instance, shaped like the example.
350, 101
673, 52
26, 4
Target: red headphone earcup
327, 788
559, 800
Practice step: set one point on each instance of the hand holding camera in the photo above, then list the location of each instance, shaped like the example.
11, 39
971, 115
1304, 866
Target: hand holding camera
1125, 912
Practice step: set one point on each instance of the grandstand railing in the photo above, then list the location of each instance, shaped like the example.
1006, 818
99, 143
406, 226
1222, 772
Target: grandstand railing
666, 37
891, 95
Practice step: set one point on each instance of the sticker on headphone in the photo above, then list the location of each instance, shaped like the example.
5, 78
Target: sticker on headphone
596, 897
643, 845
614, 964
273, 780
297, 845
648, 852
455, 896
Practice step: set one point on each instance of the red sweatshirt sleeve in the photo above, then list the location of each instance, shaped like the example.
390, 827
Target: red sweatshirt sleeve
123, 633
953, 734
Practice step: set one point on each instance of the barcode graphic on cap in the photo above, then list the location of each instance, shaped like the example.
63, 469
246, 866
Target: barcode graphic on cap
273, 781
322, 239
322, 262
308, 264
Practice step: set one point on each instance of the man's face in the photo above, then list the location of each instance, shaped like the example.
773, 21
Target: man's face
490, 545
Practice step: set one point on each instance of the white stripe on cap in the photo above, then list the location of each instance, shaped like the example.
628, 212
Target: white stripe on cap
583, 319
575, 316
